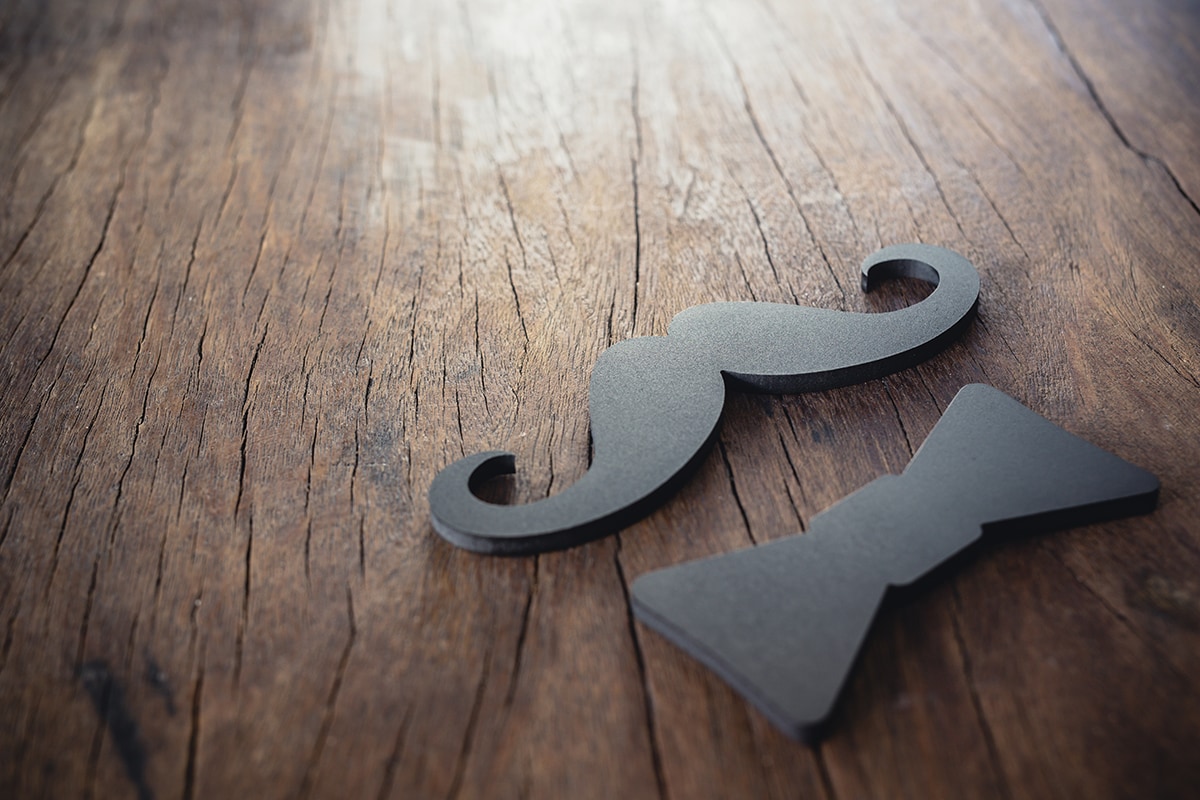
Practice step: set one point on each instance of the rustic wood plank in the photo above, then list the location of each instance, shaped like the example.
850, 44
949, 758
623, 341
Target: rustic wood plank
265, 268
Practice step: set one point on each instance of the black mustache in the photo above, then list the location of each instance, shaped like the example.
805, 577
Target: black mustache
655, 402
783, 622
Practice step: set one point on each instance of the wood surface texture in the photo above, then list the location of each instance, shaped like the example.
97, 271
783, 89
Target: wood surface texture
267, 266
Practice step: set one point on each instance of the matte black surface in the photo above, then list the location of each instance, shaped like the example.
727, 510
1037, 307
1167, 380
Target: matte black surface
783, 622
655, 402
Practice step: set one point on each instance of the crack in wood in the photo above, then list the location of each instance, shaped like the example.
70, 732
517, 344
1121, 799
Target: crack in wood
193, 742
1098, 101
733, 489
985, 728
756, 125
393, 760
522, 631
468, 740
108, 698
656, 758
339, 675
905, 131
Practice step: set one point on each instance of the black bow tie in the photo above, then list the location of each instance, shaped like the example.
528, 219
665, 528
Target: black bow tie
783, 622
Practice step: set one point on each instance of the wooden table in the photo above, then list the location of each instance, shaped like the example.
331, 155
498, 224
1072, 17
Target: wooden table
268, 266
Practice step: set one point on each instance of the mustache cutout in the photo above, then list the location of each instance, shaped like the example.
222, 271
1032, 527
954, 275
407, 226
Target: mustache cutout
783, 622
655, 402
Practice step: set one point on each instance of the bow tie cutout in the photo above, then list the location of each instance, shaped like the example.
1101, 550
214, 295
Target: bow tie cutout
783, 622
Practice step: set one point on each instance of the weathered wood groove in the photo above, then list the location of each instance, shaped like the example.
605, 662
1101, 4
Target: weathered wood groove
791, 190
647, 695
1149, 158
980, 715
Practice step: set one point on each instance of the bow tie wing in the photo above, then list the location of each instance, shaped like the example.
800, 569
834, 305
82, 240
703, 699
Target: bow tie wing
783, 622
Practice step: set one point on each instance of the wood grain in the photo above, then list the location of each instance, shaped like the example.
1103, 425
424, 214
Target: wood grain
266, 267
